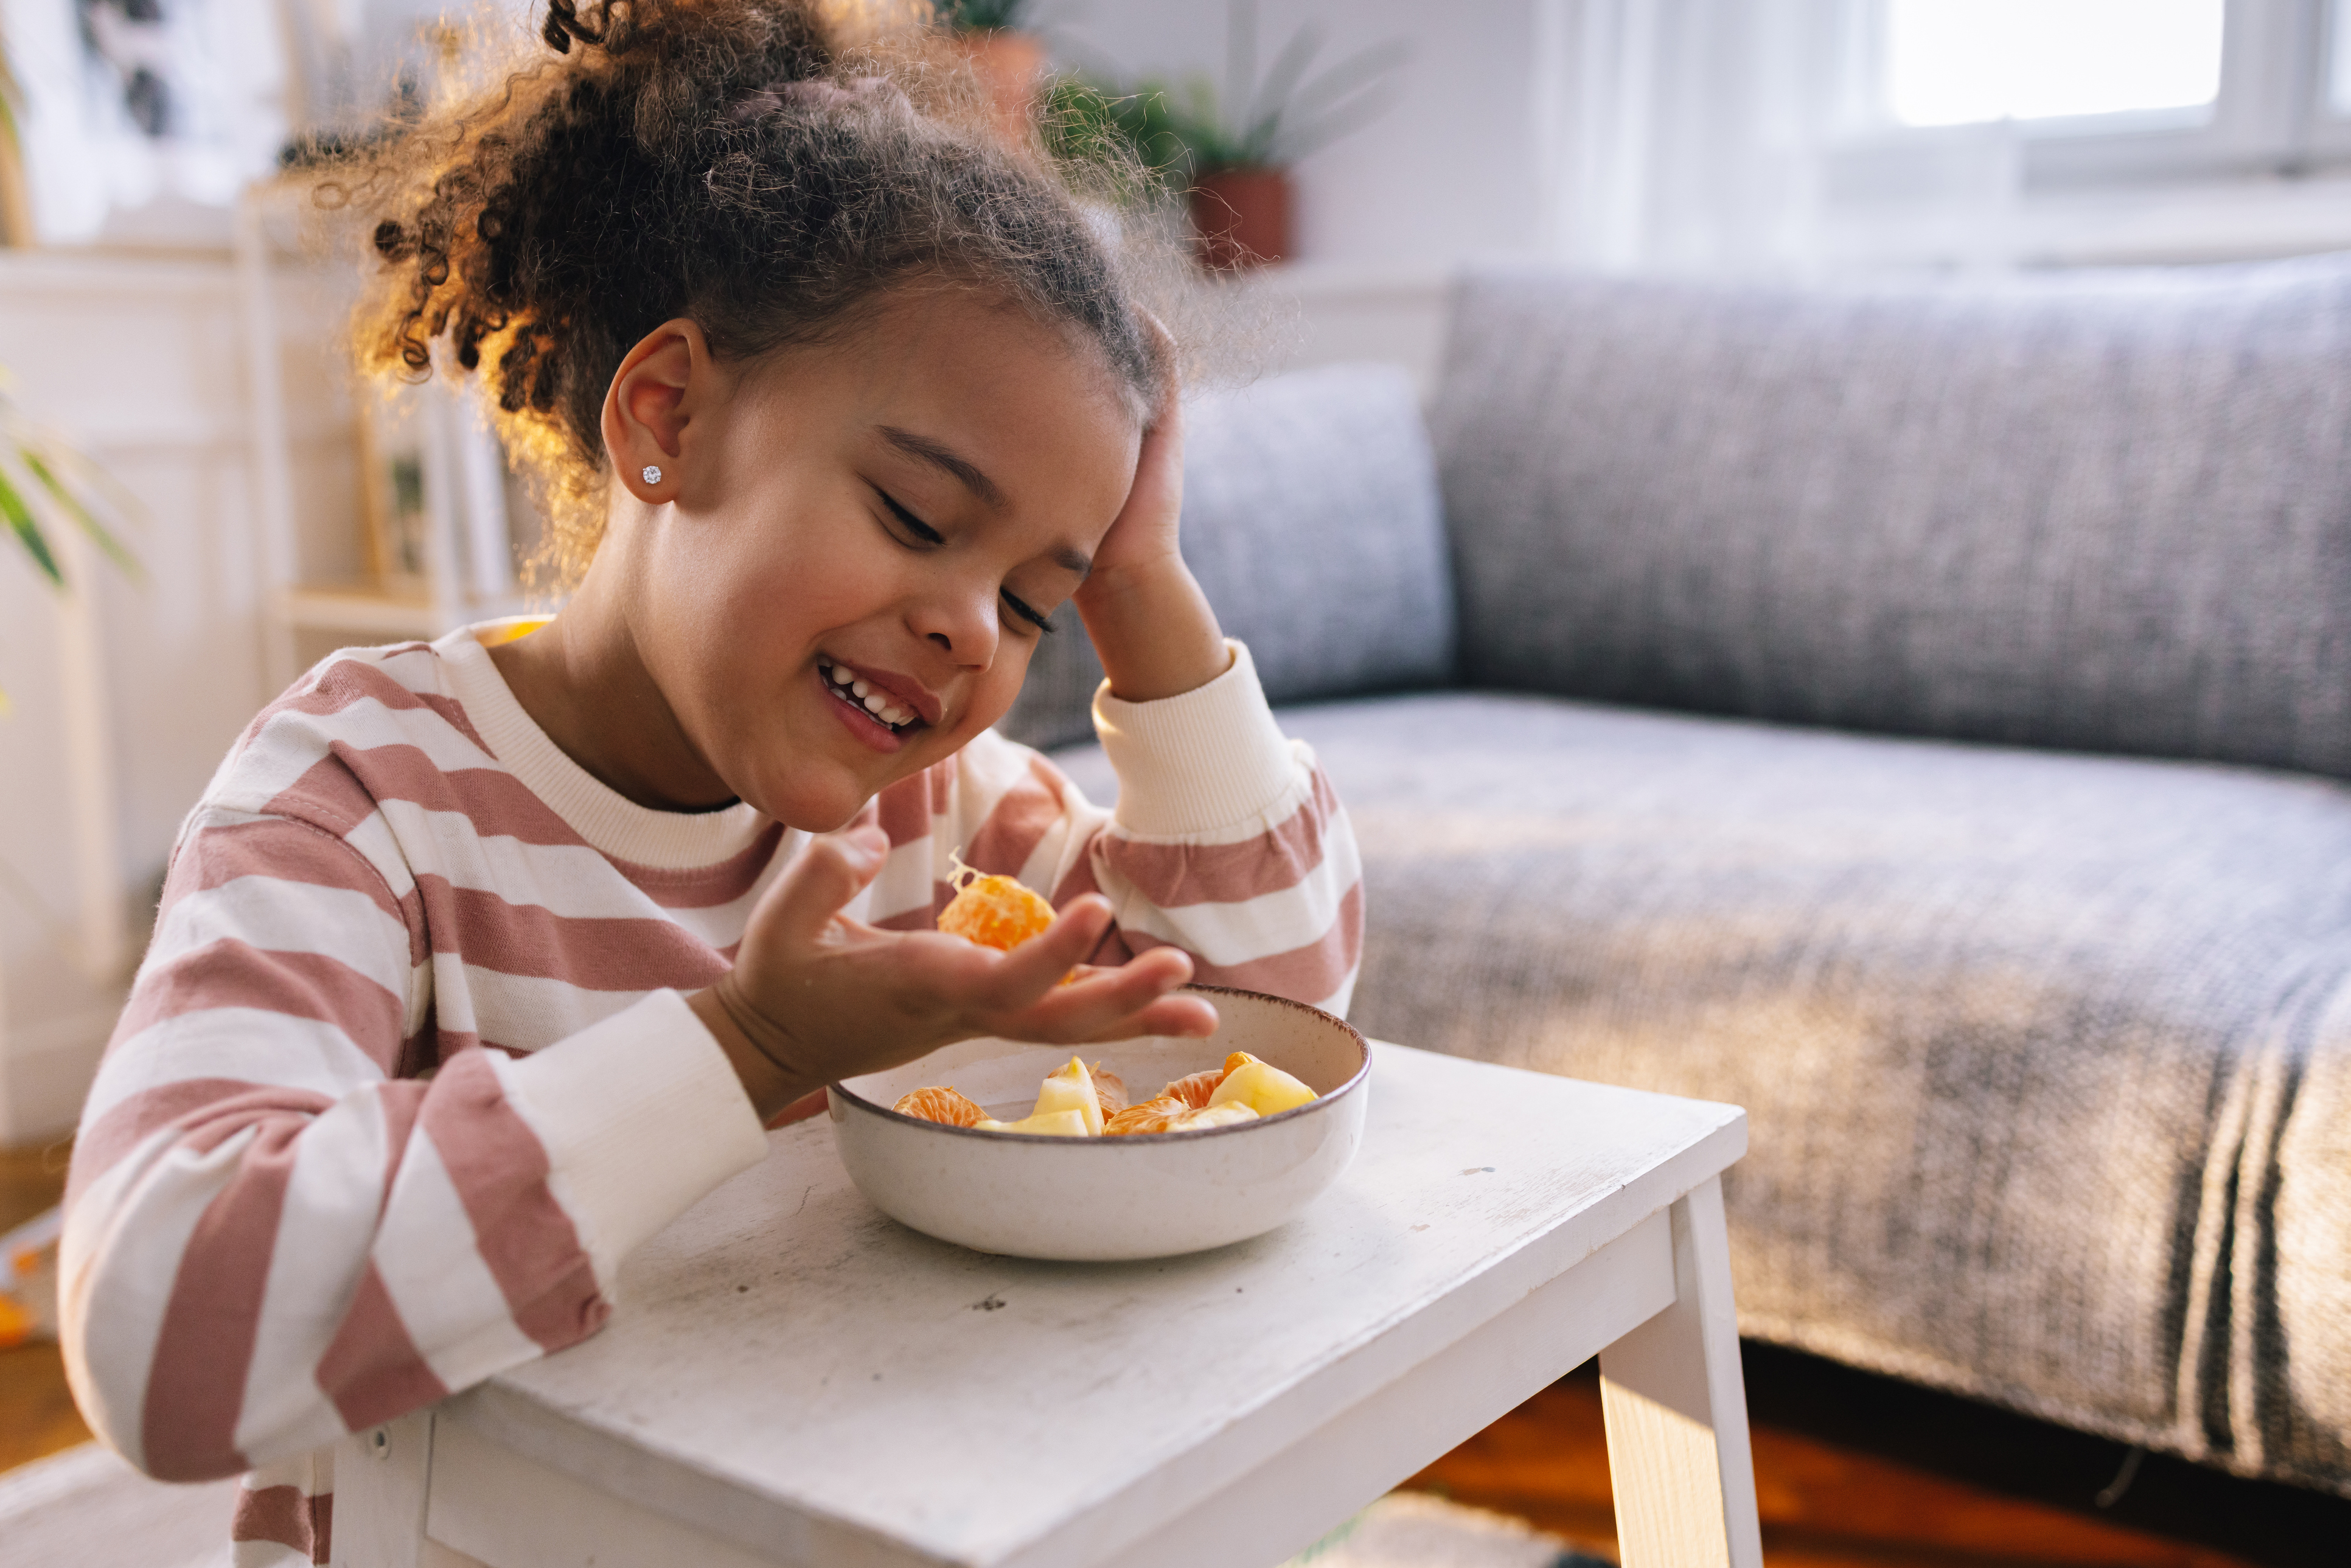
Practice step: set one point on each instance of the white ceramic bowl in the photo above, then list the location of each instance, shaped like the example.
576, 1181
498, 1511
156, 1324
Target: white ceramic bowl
1103, 1198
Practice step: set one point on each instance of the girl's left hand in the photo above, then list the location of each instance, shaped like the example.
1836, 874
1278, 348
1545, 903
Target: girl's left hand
1154, 628
1144, 537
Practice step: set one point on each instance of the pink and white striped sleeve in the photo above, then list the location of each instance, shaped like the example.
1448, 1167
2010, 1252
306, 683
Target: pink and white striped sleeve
272, 1240
1226, 842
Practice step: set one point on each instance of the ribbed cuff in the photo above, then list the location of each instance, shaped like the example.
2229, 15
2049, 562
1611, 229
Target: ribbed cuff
1210, 759
640, 1115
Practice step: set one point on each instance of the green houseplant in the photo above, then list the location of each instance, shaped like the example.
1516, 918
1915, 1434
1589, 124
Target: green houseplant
1229, 147
45, 485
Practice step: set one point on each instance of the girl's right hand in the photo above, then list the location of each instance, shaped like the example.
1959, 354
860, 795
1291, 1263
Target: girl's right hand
816, 997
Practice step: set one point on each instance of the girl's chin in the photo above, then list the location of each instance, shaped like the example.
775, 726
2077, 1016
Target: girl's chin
823, 799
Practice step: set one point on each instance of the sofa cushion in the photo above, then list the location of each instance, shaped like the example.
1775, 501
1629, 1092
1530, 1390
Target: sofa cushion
2048, 1057
1311, 519
2107, 512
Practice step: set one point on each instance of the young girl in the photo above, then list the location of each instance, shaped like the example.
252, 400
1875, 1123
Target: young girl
480, 960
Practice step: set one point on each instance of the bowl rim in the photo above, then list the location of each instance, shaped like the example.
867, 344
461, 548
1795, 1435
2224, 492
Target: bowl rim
1355, 1081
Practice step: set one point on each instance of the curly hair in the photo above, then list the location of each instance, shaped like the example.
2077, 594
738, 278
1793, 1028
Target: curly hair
727, 160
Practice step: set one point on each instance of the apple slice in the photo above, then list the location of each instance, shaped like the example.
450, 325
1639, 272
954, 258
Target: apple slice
1262, 1087
1073, 1089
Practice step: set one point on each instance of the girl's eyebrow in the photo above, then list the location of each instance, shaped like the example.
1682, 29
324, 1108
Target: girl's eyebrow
947, 459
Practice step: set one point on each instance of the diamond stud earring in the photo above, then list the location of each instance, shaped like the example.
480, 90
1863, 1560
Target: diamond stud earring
653, 474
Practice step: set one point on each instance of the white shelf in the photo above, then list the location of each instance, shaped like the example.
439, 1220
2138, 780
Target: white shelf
366, 612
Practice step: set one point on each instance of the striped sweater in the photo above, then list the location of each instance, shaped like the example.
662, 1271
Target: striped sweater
406, 1072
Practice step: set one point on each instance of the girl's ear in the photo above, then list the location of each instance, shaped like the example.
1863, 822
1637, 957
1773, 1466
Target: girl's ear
663, 384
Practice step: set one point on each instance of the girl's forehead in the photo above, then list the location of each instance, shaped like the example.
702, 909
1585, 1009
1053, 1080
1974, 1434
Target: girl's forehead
920, 335
986, 406
992, 373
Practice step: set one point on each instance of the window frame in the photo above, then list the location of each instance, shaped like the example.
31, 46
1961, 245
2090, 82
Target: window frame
2273, 116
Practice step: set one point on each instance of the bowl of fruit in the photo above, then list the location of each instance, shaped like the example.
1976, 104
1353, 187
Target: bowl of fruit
1032, 1152
1029, 1150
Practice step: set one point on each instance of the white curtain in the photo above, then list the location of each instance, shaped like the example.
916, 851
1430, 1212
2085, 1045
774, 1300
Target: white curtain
1718, 136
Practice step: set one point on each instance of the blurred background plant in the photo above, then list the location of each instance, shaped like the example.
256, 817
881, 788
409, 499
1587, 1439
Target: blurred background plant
1131, 135
1227, 147
47, 484
1270, 121
983, 16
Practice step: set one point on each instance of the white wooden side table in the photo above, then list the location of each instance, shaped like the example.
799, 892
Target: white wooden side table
792, 1378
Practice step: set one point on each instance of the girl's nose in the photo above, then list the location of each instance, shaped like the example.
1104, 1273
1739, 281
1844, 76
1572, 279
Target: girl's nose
961, 625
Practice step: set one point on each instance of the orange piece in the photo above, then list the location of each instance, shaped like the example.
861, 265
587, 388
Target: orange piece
1151, 1116
944, 1105
996, 912
1109, 1090
993, 911
1194, 1091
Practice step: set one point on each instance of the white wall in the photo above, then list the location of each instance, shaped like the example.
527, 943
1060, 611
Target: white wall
1456, 167
141, 363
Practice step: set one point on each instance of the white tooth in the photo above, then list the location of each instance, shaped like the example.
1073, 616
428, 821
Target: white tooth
876, 702
896, 716
860, 688
840, 677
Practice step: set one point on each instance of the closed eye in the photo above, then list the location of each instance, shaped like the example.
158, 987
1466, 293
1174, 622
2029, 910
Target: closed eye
1025, 613
910, 523
931, 535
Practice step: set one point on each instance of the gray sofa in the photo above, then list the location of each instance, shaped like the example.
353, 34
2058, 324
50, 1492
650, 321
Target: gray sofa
1917, 713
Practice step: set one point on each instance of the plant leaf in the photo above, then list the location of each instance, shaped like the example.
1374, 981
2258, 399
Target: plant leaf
98, 531
28, 532
1270, 100
1350, 93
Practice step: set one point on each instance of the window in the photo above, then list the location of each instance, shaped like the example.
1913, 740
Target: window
1981, 134
1957, 62
2097, 91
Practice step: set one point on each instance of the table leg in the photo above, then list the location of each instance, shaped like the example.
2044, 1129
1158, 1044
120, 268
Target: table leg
1676, 1412
380, 1476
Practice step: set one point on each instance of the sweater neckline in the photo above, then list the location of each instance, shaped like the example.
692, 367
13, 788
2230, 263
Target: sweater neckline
608, 819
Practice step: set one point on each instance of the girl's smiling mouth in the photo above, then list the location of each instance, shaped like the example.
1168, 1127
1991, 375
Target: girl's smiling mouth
877, 713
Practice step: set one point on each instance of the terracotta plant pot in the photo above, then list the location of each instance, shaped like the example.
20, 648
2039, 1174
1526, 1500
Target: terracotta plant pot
1008, 65
1241, 217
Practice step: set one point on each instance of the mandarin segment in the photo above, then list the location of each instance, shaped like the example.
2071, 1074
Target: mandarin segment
994, 911
943, 1105
1151, 1116
1195, 1089
1172, 1115
1110, 1089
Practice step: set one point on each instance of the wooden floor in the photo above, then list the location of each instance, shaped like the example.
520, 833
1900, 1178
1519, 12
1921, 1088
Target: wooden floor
1851, 1470
1843, 1504
37, 1413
